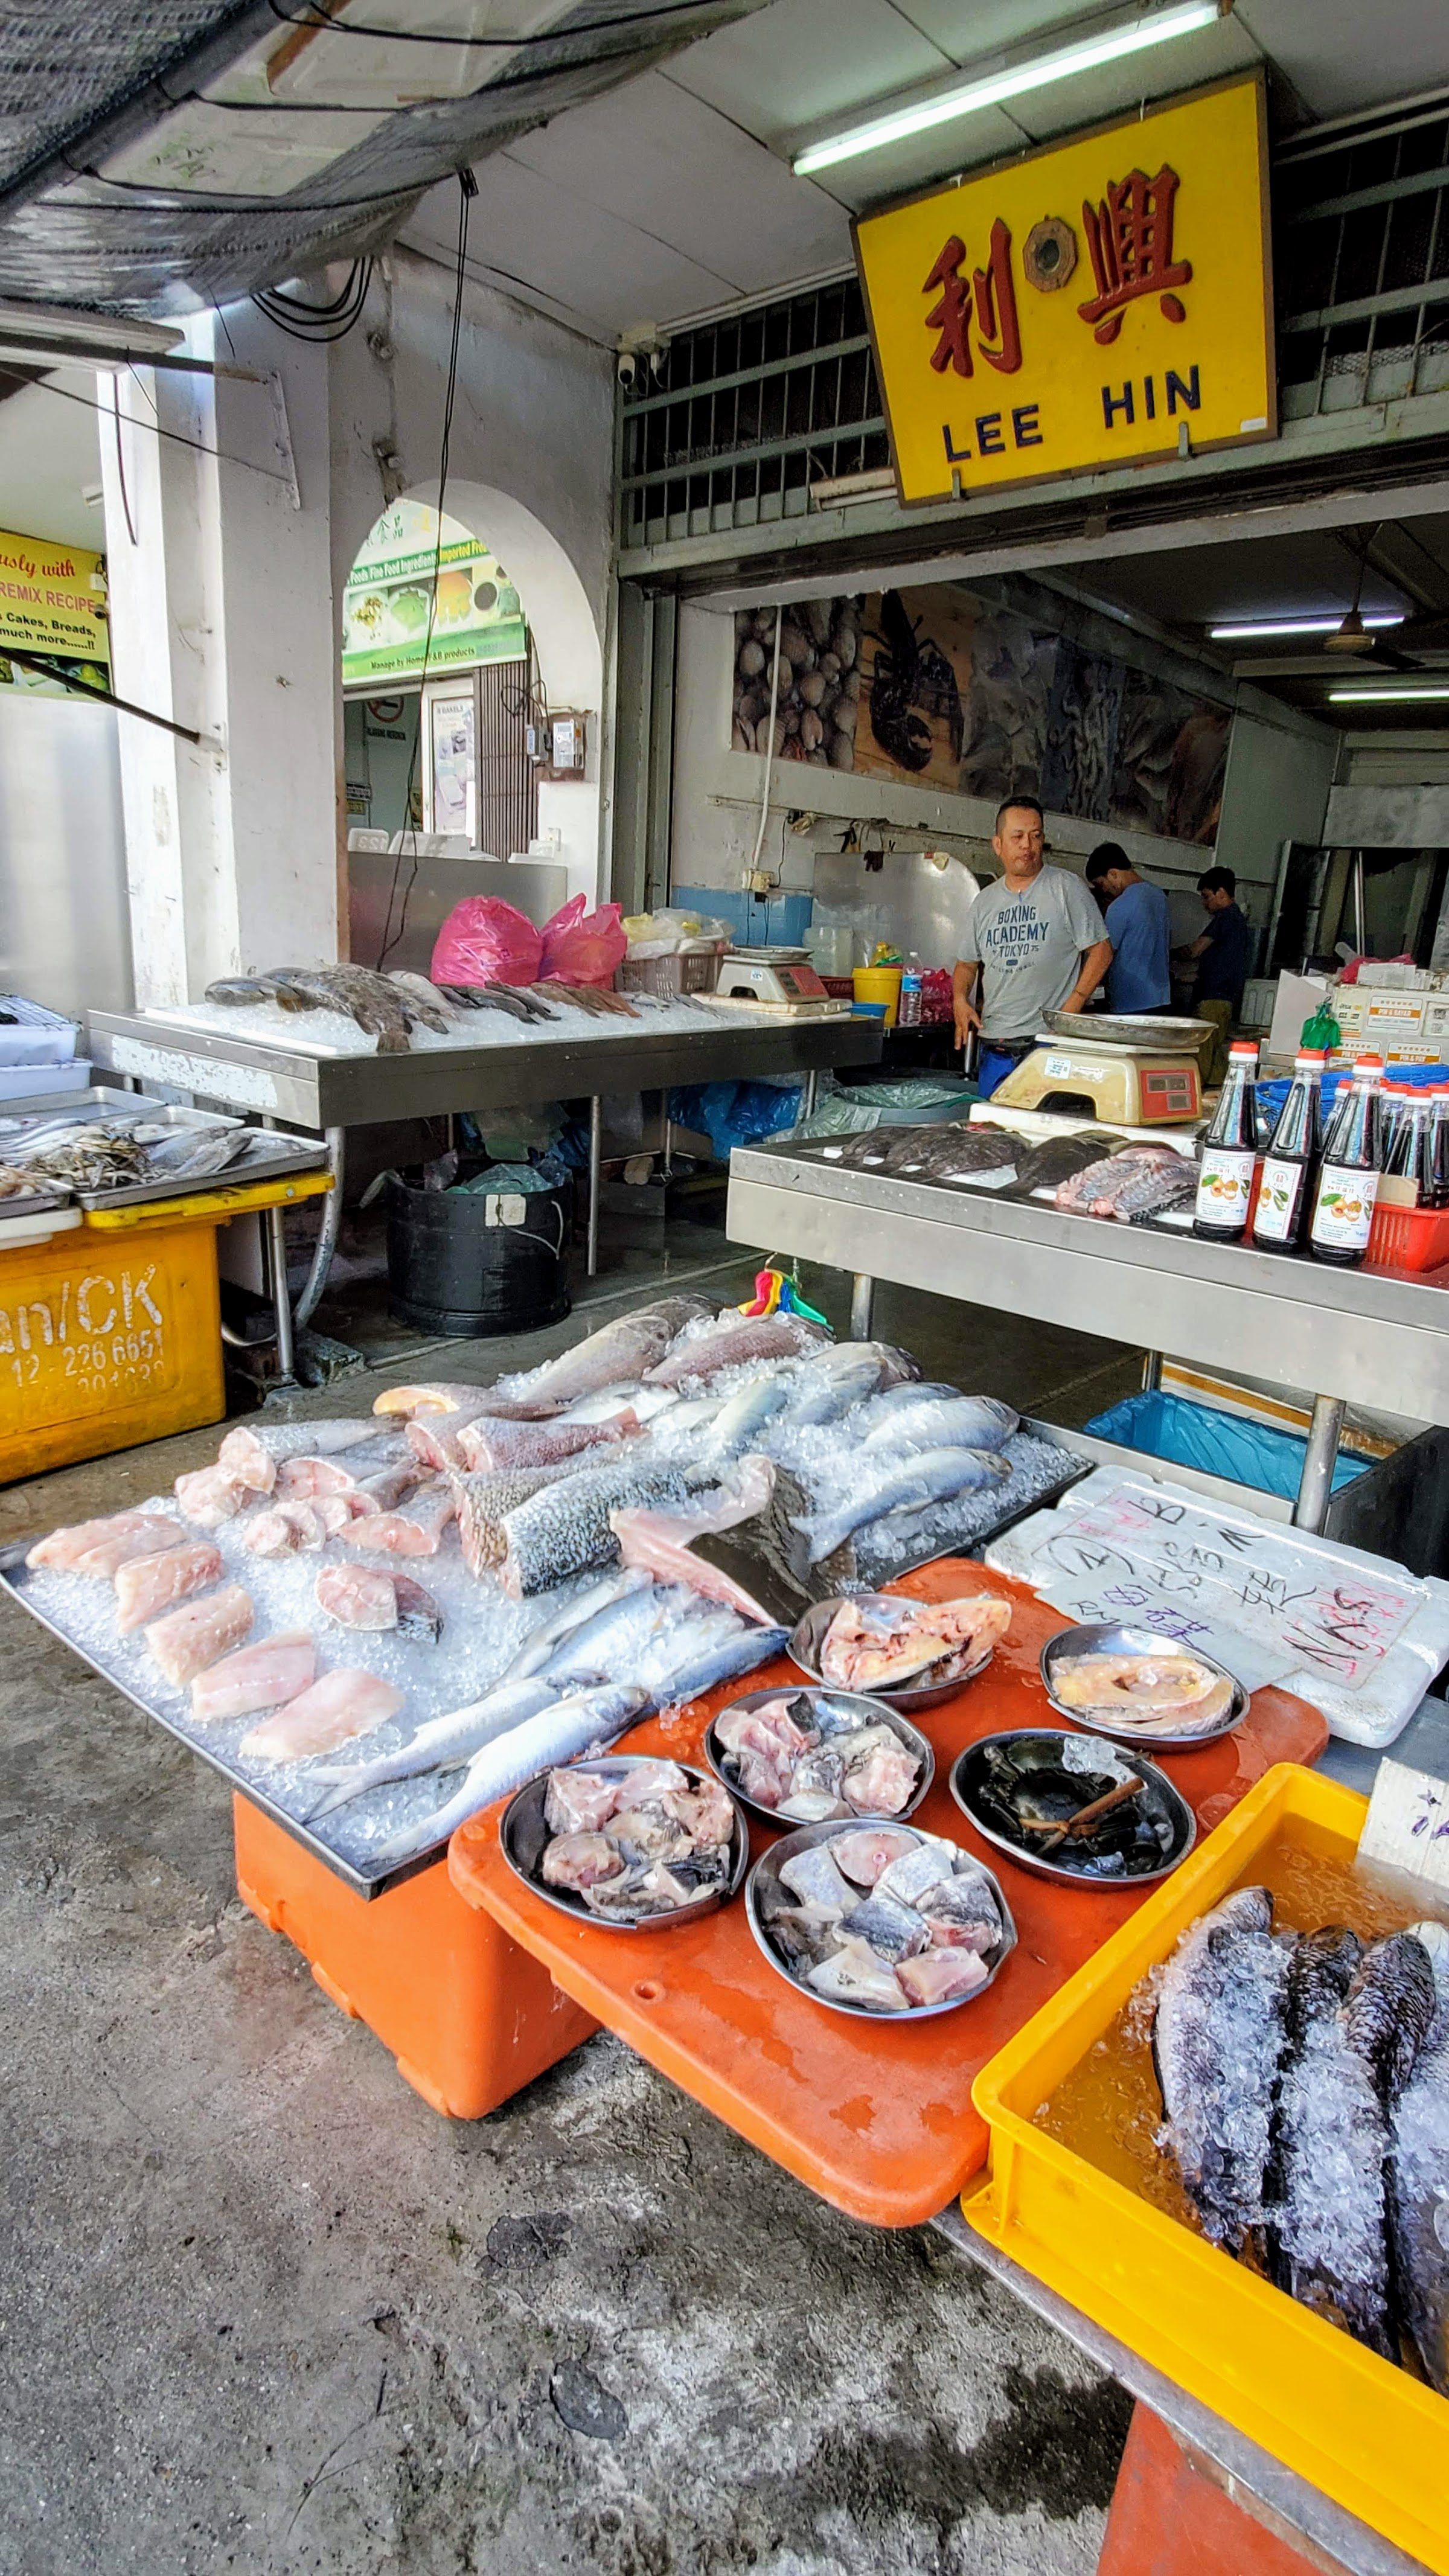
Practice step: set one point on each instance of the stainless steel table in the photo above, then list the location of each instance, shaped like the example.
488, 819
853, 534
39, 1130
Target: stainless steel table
334, 1092
1372, 1337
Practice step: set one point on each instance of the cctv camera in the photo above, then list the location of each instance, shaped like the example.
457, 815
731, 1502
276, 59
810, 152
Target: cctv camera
628, 368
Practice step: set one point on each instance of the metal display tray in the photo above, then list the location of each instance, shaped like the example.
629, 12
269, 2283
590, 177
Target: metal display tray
14, 1580
280, 1156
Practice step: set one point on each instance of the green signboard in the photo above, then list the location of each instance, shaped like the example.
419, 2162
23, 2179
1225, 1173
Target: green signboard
389, 603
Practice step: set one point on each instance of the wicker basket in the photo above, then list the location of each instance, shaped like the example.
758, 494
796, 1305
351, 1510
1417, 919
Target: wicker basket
697, 971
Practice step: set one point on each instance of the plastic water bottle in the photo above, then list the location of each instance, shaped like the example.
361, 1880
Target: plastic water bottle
1348, 1178
908, 1014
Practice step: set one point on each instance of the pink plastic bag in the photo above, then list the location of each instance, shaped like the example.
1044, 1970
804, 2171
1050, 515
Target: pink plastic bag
484, 941
582, 947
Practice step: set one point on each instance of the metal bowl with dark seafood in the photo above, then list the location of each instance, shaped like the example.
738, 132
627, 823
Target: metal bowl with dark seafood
1140, 1688
634, 1844
1073, 1808
946, 1643
809, 1757
879, 1920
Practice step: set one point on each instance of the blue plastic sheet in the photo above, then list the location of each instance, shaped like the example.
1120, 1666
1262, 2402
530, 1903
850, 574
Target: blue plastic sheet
1219, 1444
735, 1113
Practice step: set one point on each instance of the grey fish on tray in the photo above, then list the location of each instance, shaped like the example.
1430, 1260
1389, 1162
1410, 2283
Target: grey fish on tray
1057, 1159
1217, 2041
1139, 1181
1419, 2180
927, 1476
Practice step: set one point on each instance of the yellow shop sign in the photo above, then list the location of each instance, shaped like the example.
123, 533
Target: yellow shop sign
53, 600
1095, 304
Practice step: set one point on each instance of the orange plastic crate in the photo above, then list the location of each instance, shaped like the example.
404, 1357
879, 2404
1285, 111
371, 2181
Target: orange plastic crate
468, 2016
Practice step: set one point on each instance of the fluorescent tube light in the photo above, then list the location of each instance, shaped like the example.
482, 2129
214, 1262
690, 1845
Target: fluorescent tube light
1260, 628
1386, 697
947, 105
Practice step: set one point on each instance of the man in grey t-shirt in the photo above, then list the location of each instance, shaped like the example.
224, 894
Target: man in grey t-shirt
1034, 938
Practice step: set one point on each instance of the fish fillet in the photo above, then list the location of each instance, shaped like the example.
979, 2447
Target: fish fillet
489, 1445
62, 1548
357, 1596
261, 1676
151, 1584
301, 1480
329, 1712
252, 1454
210, 1496
415, 1533
123, 1547
190, 1638
285, 1529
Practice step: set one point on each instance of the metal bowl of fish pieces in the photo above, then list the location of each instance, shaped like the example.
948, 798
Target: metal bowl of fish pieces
855, 1704
524, 1837
809, 1636
1112, 1638
764, 1884
1159, 1802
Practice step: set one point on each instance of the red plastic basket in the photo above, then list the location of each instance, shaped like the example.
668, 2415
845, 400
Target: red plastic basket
1409, 1238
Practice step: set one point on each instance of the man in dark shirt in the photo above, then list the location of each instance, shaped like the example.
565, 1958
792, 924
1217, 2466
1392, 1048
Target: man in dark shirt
1222, 955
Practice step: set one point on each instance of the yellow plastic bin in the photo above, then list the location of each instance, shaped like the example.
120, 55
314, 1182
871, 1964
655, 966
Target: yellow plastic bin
110, 1331
879, 984
1362, 2430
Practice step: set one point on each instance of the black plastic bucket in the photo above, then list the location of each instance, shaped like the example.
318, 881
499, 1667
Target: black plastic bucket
477, 1261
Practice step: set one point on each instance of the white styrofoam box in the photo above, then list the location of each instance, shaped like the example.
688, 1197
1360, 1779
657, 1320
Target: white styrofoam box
1297, 1000
22, 1081
37, 1036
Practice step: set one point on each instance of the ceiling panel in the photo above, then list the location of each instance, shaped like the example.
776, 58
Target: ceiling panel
1216, 585
799, 64
970, 34
1342, 54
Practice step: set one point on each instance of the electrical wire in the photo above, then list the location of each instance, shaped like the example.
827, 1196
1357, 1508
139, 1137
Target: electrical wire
121, 458
467, 191
318, 324
321, 23
18, 377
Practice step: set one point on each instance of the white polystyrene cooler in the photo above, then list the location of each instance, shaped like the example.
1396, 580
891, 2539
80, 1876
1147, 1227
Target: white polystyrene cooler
31, 1035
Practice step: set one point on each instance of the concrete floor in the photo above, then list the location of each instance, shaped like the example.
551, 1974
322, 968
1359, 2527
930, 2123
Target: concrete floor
261, 2309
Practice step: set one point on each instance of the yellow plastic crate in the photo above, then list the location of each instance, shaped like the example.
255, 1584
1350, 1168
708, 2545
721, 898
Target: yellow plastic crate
1364, 2432
110, 1334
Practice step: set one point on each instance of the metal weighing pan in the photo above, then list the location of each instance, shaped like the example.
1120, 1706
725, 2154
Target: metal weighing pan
809, 1636
271, 1156
523, 1836
1160, 1801
1112, 1638
869, 1712
765, 1877
1165, 1036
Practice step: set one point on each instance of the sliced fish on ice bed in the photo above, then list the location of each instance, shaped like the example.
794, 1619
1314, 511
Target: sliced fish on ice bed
209, 1496
927, 1476
940, 1422
149, 1534
330, 1711
285, 1529
366, 1597
426, 1399
563, 1528
252, 1453
742, 1547
723, 1345
188, 1639
150, 1584
415, 1532
263, 1676
557, 1734
489, 1444
482, 1503
444, 1744
63, 1548
1418, 2179
308, 1479
1217, 2041
1140, 1178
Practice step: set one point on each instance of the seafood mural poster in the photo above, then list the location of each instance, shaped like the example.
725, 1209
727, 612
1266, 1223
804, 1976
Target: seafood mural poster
388, 604
1098, 303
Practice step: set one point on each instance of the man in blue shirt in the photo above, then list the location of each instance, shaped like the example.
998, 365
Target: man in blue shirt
1222, 956
1137, 923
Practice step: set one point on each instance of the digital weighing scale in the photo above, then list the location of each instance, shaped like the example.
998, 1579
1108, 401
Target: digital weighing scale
1122, 1071
780, 980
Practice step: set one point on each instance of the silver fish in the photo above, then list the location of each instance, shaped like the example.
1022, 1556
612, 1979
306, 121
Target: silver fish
555, 1735
731, 1345
616, 1355
928, 1476
442, 1745
608, 1647
832, 1385
550, 1633
737, 1421
955, 1422
900, 1399
710, 1654
1218, 2036
1418, 2179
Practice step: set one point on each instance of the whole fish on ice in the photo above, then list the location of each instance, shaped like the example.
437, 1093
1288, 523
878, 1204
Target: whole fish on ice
557, 1734
927, 1476
542, 1641
831, 1385
444, 1743
488, 1445
1218, 2037
953, 1422
1418, 2179
731, 1344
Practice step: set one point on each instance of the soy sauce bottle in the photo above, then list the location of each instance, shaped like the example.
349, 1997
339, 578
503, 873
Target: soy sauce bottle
1286, 1197
1348, 1178
1230, 1152
1439, 1145
1409, 1153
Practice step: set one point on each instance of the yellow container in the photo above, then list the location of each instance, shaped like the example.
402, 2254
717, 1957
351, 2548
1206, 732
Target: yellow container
880, 984
1360, 2429
110, 1333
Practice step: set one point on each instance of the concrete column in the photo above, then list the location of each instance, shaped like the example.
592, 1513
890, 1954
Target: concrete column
222, 618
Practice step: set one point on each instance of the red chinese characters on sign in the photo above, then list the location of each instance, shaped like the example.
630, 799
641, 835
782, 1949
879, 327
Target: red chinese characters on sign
1129, 236
992, 290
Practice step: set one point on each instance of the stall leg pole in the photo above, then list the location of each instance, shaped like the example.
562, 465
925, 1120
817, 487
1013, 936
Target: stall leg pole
812, 1086
281, 1303
596, 1157
1316, 1482
862, 1305
306, 1304
1151, 1372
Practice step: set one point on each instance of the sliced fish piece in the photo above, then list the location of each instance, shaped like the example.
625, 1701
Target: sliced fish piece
863, 1855
563, 1528
811, 1807
488, 1445
253, 1452
579, 1801
883, 1782
188, 1639
148, 1585
263, 1676
729, 1345
910, 1876
894, 1931
63, 1548
337, 1706
284, 1530
210, 1496
854, 1975
445, 1743
434, 1396
889, 1643
557, 1734
419, 1618
578, 1860
301, 1480
417, 1532
941, 1976
358, 1596
812, 1876
150, 1534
